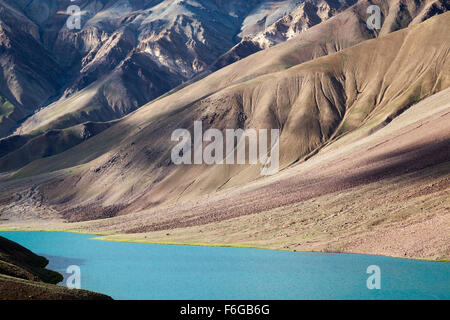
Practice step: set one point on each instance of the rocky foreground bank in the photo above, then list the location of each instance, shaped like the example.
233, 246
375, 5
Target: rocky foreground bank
23, 277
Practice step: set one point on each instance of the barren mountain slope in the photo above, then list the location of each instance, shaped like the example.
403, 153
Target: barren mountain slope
127, 168
29, 73
346, 29
384, 194
141, 51
126, 53
397, 14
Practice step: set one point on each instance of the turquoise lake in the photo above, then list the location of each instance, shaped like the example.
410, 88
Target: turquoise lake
144, 271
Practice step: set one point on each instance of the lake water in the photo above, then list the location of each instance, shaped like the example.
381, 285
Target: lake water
144, 271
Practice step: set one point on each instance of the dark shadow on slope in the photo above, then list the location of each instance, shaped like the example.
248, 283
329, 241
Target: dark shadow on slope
298, 189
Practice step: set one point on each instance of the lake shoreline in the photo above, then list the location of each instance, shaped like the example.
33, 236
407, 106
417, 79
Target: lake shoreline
100, 237
25, 275
136, 271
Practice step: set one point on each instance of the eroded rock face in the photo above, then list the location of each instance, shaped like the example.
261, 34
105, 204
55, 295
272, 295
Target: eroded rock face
303, 16
397, 14
29, 74
306, 15
164, 42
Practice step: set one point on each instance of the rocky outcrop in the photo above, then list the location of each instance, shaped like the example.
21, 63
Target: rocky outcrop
128, 52
29, 73
397, 14
23, 277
